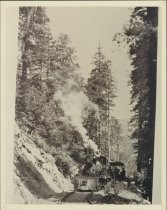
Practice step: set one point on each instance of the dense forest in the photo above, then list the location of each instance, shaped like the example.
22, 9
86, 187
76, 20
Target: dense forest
60, 114
48, 75
141, 35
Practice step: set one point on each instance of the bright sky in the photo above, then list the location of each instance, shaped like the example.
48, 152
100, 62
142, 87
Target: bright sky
86, 27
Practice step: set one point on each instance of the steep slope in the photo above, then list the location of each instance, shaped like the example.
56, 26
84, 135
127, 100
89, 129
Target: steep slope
36, 175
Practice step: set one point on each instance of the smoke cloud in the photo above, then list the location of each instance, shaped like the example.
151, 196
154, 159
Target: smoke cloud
73, 104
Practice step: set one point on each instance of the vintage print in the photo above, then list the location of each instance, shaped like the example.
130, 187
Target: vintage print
85, 105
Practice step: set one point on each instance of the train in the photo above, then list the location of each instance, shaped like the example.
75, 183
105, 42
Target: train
96, 172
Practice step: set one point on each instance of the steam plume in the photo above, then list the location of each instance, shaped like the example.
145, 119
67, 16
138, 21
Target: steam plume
73, 104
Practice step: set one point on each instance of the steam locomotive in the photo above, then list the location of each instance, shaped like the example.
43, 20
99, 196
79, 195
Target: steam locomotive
96, 172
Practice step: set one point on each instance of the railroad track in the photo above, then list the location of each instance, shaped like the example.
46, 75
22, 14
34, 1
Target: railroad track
91, 198
77, 197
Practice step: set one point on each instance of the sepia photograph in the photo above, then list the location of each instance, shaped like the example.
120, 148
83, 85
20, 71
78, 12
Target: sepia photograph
85, 105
